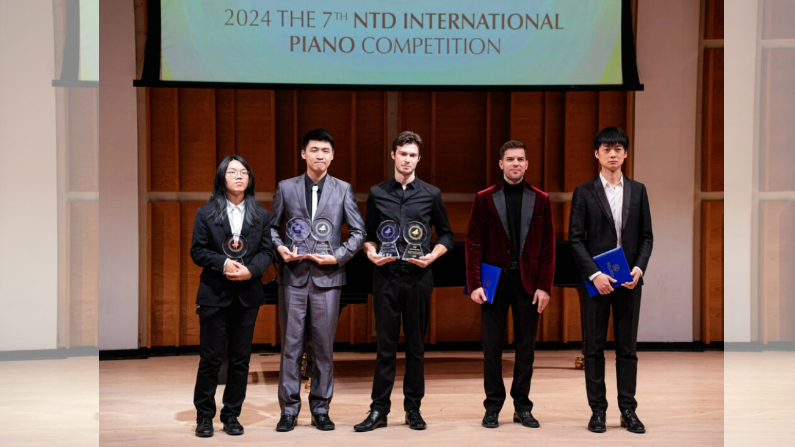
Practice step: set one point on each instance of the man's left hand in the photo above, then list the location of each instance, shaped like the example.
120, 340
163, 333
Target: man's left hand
423, 261
242, 273
636, 277
323, 259
543, 299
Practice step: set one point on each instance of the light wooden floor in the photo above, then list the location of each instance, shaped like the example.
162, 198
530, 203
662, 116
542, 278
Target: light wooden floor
149, 403
49, 402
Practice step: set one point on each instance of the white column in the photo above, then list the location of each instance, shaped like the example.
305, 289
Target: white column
738, 167
28, 194
118, 178
664, 151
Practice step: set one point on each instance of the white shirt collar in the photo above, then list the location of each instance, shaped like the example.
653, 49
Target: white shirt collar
605, 183
230, 206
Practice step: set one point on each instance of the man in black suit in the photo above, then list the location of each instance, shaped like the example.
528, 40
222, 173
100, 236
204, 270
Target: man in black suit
230, 291
607, 212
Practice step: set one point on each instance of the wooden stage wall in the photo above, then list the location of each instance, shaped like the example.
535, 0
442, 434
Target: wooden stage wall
191, 130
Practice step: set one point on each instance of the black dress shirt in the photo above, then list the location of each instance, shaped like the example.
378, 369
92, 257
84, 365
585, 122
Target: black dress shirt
309, 184
419, 202
513, 202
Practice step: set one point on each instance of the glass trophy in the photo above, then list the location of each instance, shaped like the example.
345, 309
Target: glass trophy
415, 234
235, 247
388, 233
298, 230
322, 230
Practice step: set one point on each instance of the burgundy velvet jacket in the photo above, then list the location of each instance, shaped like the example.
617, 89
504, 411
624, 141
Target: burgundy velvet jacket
488, 239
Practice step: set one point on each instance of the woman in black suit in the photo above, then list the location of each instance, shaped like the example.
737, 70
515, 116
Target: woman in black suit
230, 291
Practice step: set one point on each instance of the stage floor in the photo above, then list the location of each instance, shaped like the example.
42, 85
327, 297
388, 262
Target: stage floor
680, 395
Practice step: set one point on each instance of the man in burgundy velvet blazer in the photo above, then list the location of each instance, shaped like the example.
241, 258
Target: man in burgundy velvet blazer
511, 228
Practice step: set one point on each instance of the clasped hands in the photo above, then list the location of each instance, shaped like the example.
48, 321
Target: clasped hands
604, 283
235, 271
293, 255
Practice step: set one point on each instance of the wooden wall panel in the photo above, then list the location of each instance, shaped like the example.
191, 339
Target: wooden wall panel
255, 134
332, 111
166, 254
777, 159
287, 138
713, 19
457, 317
224, 124
777, 263
582, 121
461, 141
163, 140
554, 141
188, 277
83, 267
498, 132
527, 126
83, 146
712, 271
196, 139
712, 124
777, 20
415, 114
371, 144
458, 215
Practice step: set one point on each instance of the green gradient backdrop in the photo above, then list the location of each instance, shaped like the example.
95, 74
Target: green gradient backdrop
197, 45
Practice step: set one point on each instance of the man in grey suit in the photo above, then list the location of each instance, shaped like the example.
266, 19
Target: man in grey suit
310, 284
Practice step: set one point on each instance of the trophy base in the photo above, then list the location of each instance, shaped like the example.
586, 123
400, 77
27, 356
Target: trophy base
412, 252
323, 249
238, 260
388, 250
301, 248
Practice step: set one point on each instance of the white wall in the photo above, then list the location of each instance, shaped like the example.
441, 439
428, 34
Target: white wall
664, 151
118, 178
741, 19
28, 194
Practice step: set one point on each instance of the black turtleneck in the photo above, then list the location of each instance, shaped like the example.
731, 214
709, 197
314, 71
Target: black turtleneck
513, 202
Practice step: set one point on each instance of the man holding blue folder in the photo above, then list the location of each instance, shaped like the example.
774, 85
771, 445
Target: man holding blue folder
510, 229
608, 212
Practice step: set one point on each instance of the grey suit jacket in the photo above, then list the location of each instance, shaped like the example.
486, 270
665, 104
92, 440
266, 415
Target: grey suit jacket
338, 204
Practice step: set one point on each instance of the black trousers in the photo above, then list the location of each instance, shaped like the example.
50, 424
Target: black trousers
399, 290
525, 325
218, 325
595, 319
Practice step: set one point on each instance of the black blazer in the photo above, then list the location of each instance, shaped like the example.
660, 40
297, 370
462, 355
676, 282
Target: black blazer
593, 232
214, 288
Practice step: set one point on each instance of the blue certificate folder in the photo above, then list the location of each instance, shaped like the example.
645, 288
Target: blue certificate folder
489, 278
612, 263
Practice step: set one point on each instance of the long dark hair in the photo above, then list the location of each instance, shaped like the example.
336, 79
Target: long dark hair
218, 197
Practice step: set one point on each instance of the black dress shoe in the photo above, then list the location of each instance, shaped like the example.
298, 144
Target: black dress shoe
491, 419
630, 421
286, 423
204, 427
322, 422
233, 427
414, 420
597, 422
526, 418
374, 420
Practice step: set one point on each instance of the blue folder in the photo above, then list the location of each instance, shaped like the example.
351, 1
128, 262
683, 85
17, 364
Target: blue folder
612, 263
489, 278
